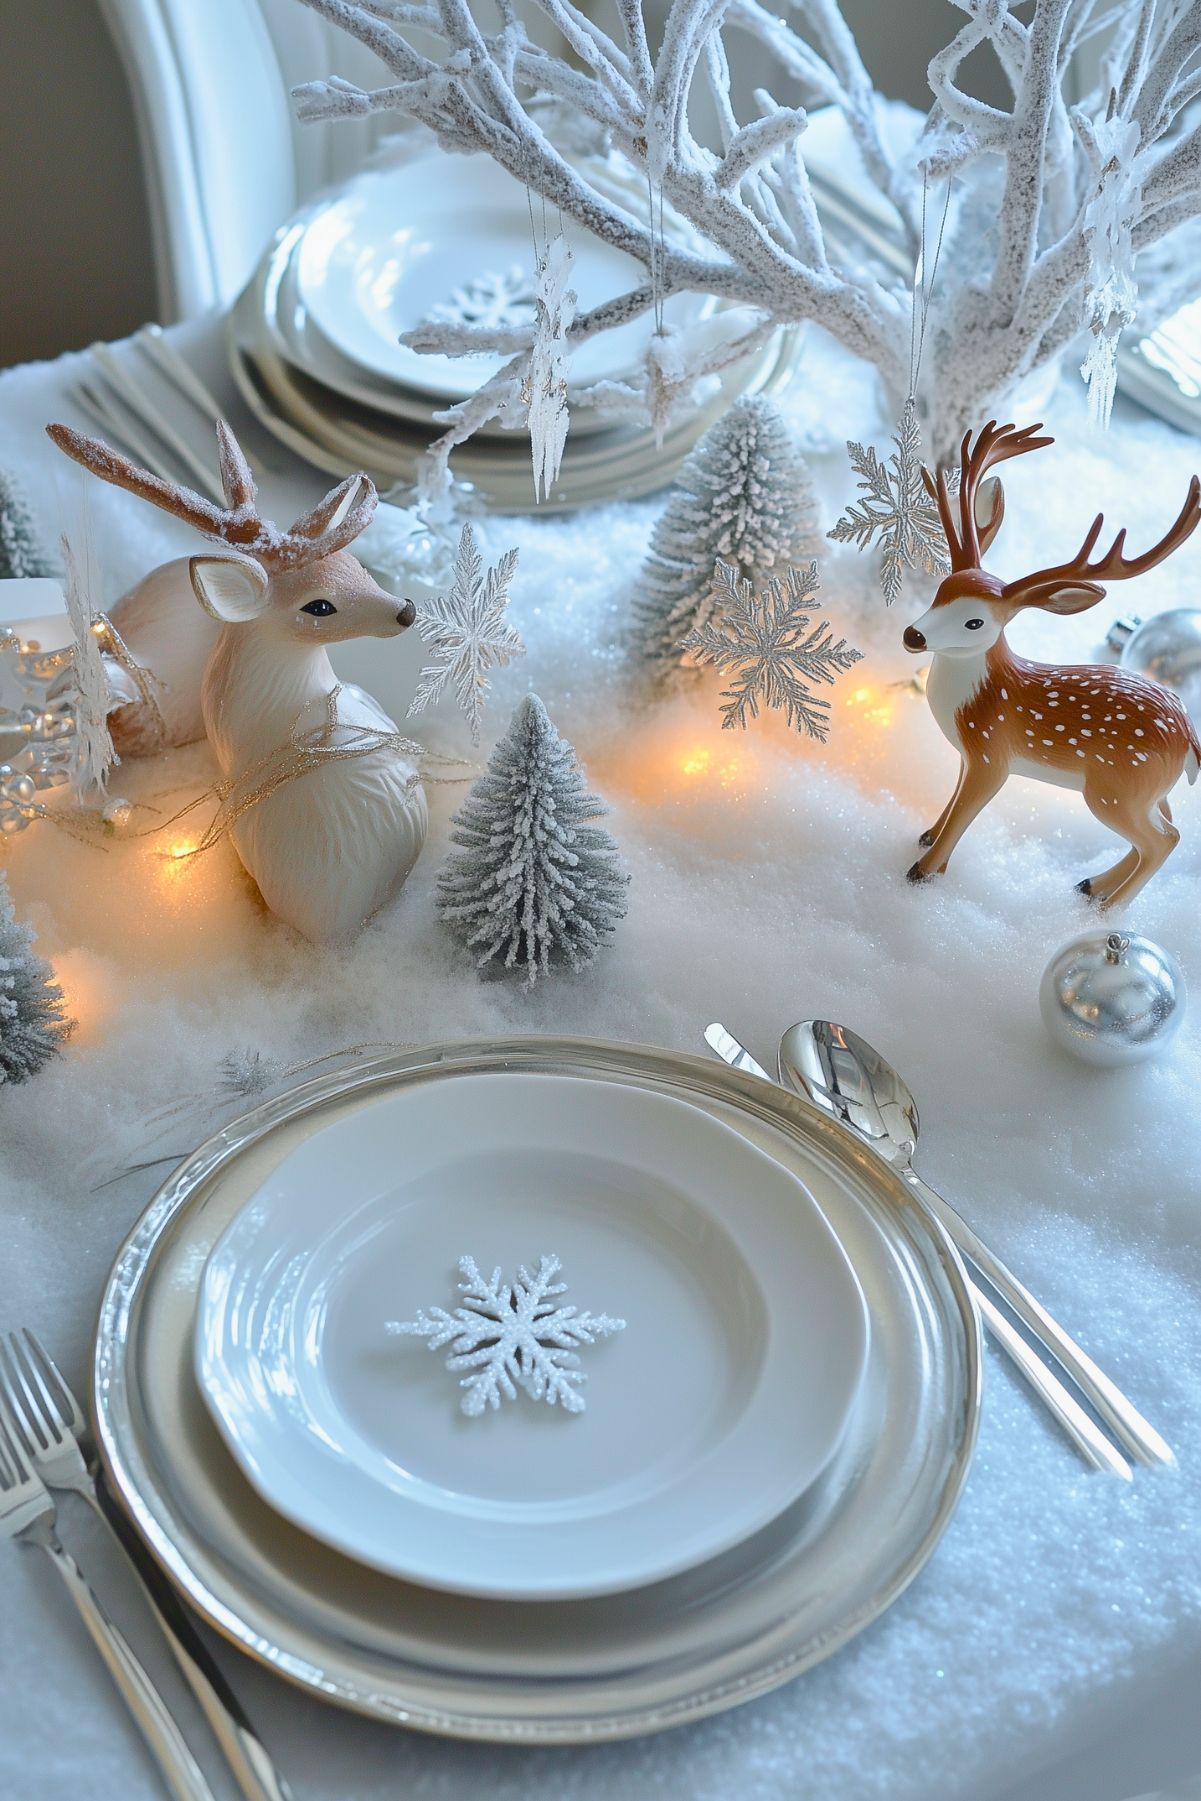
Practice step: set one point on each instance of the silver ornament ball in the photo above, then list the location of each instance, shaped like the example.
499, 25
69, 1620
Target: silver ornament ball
1166, 648
1111, 999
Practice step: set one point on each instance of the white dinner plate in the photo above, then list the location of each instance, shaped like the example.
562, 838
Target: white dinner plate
401, 242
545, 1672
719, 1403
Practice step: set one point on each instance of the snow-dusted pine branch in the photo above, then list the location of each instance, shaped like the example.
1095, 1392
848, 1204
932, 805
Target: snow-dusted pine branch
1011, 295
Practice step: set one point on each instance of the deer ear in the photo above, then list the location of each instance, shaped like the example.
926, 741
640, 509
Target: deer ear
989, 509
1061, 597
232, 589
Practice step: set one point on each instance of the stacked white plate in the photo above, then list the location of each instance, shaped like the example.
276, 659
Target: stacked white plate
314, 338
769, 1450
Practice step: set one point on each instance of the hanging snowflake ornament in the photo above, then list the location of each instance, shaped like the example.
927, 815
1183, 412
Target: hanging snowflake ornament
508, 1336
895, 511
768, 639
469, 633
544, 390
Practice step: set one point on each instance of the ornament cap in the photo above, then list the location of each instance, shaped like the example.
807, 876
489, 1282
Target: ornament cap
1116, 946
1122, 630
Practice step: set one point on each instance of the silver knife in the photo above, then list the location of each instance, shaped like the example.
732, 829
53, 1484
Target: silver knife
731, 1052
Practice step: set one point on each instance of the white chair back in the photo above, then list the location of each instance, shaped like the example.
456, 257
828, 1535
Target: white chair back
225, 160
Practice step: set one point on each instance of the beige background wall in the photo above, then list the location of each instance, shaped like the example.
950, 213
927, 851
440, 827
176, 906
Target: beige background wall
75, 258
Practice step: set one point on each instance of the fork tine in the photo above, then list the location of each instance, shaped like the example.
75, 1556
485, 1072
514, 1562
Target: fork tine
13, 1473
48, 1415
66, 1411
24, 1409
21, 1415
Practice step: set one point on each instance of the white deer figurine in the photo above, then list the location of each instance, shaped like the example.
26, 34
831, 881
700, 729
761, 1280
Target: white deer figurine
1119, 739
330, 845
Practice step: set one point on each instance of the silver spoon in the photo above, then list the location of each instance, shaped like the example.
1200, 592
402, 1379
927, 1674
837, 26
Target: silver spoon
1079, 1426
842, 1073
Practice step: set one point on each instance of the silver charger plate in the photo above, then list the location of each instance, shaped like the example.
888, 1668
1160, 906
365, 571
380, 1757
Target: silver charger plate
559, 1672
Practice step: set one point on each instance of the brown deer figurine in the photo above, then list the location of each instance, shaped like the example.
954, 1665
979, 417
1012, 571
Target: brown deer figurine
329, 849
1123, 741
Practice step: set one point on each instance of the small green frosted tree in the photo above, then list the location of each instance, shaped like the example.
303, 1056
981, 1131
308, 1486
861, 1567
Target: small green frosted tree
742, 497
21, 552
532, 881
33, 1023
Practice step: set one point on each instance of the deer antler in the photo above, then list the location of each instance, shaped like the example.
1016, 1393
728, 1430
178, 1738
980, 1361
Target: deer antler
994, 444
330, 526
1112, 566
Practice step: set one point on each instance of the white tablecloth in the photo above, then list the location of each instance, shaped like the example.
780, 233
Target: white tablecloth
1051, 1650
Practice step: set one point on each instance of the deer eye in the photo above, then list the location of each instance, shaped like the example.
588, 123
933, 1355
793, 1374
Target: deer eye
320, 609
972, 625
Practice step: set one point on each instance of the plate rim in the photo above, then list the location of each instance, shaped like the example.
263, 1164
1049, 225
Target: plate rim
138, 1254
821, 1236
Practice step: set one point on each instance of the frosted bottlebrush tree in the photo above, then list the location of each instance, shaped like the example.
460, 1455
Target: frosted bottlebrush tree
742, 497
1064, 215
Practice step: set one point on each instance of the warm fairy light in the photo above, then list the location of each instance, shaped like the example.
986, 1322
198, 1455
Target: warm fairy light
871, 705
699, 760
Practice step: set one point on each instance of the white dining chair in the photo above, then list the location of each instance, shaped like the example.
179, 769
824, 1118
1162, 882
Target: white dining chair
225, 161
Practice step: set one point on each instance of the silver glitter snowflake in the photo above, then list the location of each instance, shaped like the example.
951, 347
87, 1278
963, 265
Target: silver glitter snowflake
510, 1336
497, 299
469, 633
896, 510
768, 638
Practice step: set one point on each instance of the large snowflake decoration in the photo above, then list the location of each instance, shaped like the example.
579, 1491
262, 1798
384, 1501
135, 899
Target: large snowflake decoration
497, 299
768, 638
509, 1336
896, 509
469, 633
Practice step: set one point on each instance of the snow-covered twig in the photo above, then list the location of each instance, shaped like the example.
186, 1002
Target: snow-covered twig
1009, 299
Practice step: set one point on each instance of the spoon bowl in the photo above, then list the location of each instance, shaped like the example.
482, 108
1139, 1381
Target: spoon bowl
849, 1078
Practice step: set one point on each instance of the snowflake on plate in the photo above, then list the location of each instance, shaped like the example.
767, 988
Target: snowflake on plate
510, 1336
469, 633
767, 636
497, 299
896, 508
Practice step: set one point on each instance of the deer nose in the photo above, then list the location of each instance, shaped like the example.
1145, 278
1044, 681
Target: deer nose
407, 614
913, 639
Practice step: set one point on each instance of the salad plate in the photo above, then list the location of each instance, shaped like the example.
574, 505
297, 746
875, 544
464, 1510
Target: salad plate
724, 1394
453, 239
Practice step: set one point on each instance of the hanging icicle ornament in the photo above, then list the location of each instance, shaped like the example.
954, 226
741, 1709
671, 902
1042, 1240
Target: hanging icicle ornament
544, 390
895, 512
1110, 291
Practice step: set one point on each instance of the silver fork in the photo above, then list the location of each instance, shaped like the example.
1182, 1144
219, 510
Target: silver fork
55, 1434
27, 1515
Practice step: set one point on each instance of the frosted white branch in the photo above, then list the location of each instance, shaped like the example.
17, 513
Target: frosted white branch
1008, 298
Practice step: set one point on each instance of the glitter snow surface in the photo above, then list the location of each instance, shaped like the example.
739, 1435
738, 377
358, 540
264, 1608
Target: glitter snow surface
767, 884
